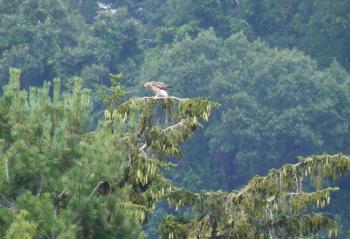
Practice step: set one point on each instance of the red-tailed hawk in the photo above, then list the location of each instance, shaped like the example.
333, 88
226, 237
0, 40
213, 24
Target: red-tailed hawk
158, 88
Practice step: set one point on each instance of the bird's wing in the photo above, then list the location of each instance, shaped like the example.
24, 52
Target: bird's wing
159, 85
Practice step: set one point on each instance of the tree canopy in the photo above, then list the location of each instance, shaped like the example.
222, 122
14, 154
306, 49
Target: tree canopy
61, 179
276, 105
84, 157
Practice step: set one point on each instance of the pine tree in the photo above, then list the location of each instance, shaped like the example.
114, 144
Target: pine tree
279, 205
60, 179
58, 170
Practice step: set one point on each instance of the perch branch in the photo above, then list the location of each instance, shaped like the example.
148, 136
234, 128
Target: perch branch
156, 98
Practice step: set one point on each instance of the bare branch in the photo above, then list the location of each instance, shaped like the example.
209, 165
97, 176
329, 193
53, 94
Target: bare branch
129, 161
142, 149
90, 196
62, 193
160, 98
174, 126
11, 204
7, 169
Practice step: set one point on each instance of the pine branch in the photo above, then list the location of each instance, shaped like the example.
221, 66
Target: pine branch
250, 187
266, 197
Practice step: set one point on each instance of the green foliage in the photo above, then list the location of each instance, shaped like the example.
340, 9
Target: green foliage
62, 180
173, 20
75, 182
49, 39
6, 217
21, 228
79, 177
87, 8
33, 33
53, 166
156, 130
320, 28
276, 104
272, 206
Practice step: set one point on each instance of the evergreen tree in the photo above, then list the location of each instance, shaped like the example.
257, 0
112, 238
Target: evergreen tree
56, 169
59, 179
279, 205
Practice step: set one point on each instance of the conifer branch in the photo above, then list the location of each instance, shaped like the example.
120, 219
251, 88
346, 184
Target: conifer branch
279, 187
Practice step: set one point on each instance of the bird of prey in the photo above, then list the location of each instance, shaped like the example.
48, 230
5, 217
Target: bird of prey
157, 87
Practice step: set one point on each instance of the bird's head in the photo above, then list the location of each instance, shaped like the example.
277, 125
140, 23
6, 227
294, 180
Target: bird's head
147, 84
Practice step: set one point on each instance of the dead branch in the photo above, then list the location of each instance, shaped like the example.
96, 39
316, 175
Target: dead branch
174, 126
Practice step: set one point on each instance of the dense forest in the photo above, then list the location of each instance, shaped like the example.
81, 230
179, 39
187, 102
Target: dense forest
252, 142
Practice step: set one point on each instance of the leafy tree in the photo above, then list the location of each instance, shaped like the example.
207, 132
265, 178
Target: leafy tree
21, 228
320, 28
49, 39
173, 20
33, 32
276, 104
87, 8
111, 44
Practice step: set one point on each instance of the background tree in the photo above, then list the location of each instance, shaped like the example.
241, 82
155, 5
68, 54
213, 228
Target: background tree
33, 32
49, 39
319, 28
276, 104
